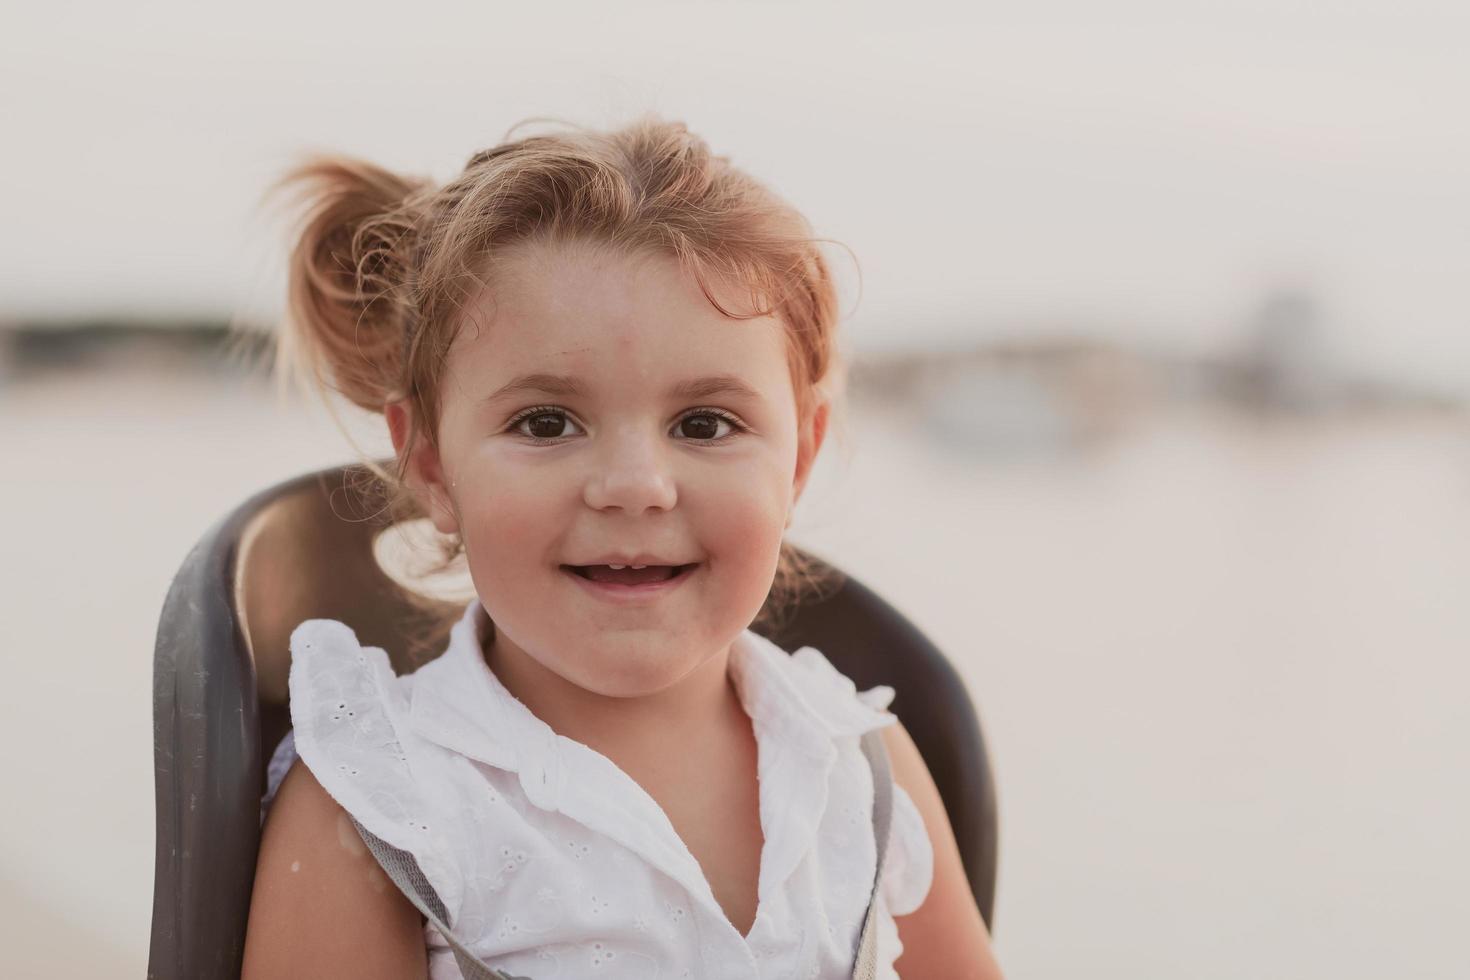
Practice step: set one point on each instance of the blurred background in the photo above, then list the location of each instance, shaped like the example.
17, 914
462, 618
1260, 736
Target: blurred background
1157, 419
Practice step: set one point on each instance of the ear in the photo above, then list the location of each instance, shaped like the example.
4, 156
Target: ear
424, 473
808, 443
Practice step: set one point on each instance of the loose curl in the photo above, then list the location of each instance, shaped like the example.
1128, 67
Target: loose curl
384, 264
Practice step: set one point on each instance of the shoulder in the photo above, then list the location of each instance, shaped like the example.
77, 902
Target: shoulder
944, 930
925, 894
348, 712
908, 870
321, 906
350, 718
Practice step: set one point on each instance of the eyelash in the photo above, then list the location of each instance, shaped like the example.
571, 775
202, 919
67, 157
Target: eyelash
736, 425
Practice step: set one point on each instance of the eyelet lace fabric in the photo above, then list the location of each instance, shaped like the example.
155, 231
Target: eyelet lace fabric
552, 862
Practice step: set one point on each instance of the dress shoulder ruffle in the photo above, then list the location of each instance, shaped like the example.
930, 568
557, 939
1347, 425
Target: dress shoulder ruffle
908, 867
349, 716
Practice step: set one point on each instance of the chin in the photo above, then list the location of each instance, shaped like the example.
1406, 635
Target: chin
632, 683
633, 676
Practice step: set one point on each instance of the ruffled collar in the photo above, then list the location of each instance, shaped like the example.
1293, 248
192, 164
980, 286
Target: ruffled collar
799, 705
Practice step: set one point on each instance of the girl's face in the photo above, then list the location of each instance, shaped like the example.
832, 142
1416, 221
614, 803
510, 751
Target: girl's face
597, 409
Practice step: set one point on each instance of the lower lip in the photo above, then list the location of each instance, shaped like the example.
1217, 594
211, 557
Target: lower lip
614, 592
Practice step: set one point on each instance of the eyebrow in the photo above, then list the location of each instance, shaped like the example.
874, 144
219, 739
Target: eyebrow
560, 384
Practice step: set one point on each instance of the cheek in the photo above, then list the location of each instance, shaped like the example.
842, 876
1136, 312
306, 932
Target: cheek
515, 522
742, 523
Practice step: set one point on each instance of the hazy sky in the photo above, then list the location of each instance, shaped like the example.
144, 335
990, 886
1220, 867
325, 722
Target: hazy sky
1147, 174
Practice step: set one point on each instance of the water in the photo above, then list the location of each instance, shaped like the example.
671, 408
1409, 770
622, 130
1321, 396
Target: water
1220, 664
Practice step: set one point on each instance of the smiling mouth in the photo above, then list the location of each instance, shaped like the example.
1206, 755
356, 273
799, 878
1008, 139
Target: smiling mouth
608, 575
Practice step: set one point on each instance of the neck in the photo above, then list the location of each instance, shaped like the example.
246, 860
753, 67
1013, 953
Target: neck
700, 704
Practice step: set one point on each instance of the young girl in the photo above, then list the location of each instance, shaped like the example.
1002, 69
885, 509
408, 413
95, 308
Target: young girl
604, 361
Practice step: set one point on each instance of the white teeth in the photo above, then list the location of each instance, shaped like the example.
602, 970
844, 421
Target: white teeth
623, 566
640, 566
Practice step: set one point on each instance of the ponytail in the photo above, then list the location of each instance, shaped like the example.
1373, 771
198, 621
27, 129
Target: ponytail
350, 304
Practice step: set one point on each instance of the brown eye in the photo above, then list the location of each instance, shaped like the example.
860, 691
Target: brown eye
699, 426
547, 426
705, 426
542, 425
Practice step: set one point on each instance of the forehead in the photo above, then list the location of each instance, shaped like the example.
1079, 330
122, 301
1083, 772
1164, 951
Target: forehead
612, 317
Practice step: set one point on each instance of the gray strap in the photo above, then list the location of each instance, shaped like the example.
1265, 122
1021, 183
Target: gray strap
866, 965
409, 877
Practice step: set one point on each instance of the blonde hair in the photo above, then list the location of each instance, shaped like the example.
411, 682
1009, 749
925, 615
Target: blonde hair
383, 265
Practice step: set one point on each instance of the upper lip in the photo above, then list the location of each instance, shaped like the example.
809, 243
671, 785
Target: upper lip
640, 559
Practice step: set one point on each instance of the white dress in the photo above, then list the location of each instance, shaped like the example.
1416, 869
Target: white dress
554, 863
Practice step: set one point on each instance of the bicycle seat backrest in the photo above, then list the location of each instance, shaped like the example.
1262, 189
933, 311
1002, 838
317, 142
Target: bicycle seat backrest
304, 549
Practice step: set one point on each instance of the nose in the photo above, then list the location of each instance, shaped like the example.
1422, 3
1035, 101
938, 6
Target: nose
630, 472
